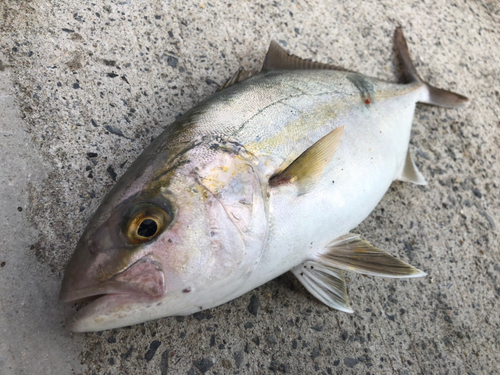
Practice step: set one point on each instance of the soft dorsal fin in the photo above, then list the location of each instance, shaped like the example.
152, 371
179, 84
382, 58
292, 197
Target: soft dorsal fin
278, 59
240, 75
351, 253
324, 282
307, 169
410, 172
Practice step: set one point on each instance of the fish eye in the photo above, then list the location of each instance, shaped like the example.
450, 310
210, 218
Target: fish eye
145, 222
147, 228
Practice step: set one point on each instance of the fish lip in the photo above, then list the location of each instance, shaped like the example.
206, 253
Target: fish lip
87, 319
95, 292
127, 282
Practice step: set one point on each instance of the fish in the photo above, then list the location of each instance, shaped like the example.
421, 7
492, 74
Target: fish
269, 174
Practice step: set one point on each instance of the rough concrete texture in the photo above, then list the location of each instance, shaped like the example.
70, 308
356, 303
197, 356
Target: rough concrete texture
87, 85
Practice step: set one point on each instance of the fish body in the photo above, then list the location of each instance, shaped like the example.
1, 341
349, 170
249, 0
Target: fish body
267, 175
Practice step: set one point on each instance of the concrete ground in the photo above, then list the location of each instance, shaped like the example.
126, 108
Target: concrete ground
85, 86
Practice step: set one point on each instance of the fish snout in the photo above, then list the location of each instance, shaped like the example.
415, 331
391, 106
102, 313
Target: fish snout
145, 277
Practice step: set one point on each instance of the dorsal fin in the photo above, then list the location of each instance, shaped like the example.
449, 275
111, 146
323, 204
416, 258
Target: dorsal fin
307, 169
240, 75
278, 59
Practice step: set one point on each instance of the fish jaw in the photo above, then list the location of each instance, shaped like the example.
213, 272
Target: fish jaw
144, 277
124, 309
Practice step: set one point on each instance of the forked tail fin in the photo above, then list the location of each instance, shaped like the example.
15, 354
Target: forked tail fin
435, 96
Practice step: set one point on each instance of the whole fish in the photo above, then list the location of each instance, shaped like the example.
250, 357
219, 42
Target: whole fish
267, 175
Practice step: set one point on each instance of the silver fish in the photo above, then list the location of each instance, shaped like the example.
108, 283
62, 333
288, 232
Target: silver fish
267, 175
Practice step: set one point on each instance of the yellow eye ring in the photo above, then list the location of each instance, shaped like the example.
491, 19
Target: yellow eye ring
145, 223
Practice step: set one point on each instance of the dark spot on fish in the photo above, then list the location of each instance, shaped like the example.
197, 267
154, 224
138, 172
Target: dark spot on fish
20, 209
312, 267
170, 240
364, 86
302, 274
159, 303
2, 264
187, 290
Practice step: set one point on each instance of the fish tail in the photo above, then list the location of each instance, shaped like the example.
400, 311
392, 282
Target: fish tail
432, 95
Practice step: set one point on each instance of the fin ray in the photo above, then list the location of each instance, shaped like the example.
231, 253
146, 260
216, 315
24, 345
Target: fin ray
278, 59
435, 96
324, 282
411, 173
240, 75
307, 169
351, 253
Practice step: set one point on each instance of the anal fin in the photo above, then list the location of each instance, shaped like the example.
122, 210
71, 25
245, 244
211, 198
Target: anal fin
411, 173
324, 282
351, 253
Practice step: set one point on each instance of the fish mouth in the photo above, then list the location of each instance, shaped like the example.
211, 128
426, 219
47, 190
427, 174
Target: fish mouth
143, 281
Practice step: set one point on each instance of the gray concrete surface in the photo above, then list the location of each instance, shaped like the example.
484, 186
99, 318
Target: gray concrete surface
84, 88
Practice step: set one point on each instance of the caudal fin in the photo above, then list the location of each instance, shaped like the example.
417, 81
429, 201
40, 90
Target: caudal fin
435, 96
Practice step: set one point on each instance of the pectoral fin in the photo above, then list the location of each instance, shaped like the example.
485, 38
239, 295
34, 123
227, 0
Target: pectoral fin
351, 253
324, 282
411, 173
306, 171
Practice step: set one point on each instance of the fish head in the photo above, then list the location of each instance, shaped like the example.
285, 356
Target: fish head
169, 239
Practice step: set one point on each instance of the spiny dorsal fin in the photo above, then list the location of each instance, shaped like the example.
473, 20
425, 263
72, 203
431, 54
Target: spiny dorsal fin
324, 282
410, 172
307, 169
278, 59
240, 75
351, 253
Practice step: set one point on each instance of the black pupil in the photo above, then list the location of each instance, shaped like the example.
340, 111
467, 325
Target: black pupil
147, 228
